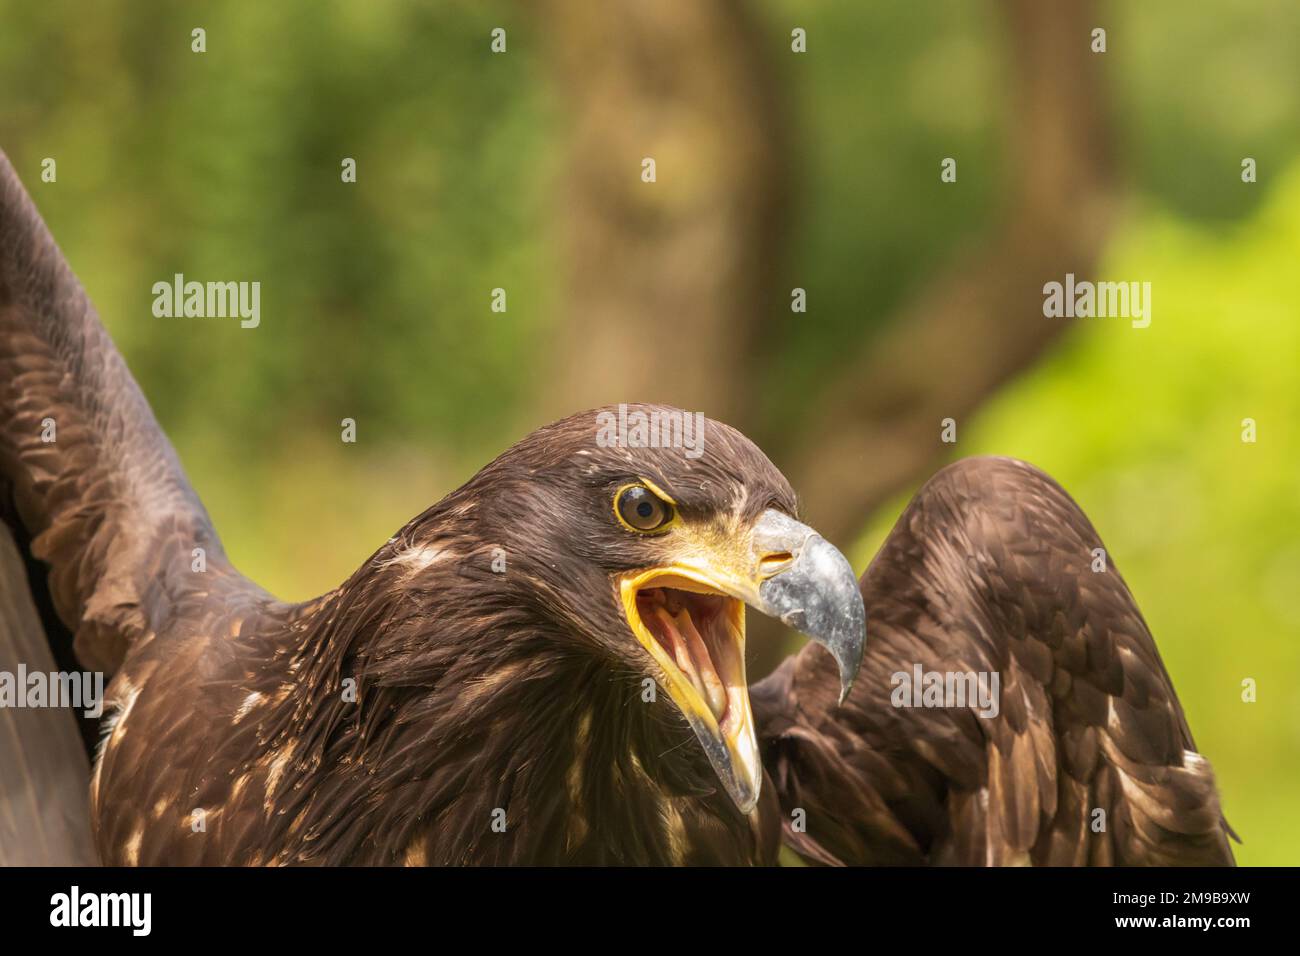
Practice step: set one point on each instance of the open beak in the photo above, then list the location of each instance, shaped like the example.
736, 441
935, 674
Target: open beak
689, 615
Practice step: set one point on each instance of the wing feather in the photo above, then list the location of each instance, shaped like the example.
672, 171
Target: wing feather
1089, 759
105, 504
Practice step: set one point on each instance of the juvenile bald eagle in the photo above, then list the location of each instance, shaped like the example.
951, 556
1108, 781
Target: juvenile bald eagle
547, 666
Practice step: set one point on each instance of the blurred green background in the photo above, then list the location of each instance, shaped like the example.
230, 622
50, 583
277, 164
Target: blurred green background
478, 171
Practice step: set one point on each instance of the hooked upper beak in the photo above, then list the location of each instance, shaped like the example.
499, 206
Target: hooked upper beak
688, 613
816, 593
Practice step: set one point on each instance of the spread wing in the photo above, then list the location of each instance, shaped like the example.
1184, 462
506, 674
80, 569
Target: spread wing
1088, 760
93, 495
92, 481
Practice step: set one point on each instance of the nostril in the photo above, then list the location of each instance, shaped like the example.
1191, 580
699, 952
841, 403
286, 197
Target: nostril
775, 563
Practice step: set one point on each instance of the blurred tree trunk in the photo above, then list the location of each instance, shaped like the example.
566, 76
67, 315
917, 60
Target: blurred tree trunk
669, 284
877, 429
667, 281
44, 774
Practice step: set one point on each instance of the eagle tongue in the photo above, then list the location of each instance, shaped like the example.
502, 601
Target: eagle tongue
714, 691
677, 645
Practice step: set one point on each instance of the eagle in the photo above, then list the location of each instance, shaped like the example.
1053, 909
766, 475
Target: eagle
548, 666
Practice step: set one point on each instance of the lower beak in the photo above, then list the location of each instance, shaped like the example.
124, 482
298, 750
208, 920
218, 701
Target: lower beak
689, 615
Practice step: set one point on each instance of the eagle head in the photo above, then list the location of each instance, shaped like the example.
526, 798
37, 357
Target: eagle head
641, 532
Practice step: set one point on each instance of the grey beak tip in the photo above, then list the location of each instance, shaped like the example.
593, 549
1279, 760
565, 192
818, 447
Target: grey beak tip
845, 687
849, 661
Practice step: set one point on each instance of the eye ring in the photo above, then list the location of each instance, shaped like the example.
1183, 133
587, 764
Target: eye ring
643, 511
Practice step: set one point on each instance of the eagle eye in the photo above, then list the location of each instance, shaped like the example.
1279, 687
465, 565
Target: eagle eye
640, 509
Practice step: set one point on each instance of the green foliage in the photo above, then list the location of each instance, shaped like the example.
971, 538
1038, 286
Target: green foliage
1199, 88
884, 93
226, 165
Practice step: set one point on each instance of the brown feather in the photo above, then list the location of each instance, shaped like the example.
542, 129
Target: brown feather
989, 569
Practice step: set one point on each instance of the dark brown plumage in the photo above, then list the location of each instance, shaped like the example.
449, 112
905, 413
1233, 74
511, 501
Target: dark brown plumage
477, 690
990, 569
498, 680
